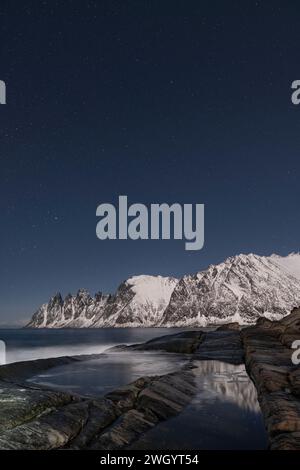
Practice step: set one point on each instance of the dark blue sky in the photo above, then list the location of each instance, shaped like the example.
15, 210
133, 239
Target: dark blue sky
163, 101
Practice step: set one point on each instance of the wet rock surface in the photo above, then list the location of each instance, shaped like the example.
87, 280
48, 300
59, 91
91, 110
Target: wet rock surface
33, 417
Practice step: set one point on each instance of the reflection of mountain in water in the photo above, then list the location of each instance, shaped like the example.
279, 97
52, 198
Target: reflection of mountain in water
224, 414
229, 382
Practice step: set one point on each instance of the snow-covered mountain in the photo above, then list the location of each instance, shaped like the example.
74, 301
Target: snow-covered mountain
242, 288
139, 301
290, 263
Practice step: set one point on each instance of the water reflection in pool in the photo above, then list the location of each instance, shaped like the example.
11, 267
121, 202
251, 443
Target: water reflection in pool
99, 376
224, 414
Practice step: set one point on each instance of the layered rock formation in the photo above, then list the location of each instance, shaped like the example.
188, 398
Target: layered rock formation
268, 357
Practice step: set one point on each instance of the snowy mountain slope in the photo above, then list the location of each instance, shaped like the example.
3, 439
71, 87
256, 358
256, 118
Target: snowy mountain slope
290, 263
241, 289
139, 301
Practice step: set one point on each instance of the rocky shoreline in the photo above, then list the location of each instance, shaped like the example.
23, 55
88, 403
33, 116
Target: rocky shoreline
33, 417
268, 353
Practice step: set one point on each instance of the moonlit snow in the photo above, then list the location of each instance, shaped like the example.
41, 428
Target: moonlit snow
241, 289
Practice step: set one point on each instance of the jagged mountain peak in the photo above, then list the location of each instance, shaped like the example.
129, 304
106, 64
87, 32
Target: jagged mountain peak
241, 288
140, 300
56, 298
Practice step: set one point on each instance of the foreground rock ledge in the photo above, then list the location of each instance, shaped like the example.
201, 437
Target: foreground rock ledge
268, 360
33, 417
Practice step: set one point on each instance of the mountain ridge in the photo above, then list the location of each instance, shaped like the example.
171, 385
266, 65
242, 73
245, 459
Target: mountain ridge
242, 288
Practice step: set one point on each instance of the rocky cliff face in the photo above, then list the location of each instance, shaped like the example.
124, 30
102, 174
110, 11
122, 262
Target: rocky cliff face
241, 289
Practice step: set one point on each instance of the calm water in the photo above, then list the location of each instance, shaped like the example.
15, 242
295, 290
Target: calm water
23, 344
99, 376
223, 415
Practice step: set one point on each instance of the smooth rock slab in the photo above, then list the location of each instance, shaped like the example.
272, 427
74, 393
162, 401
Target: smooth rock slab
180, 343
19, 404
50, 431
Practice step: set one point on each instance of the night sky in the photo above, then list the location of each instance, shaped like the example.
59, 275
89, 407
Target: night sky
163, 101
